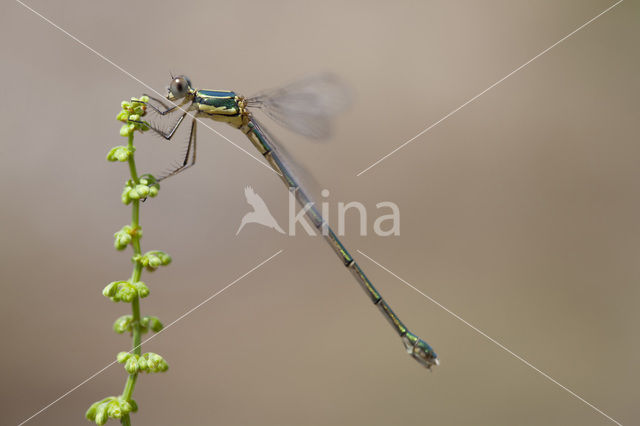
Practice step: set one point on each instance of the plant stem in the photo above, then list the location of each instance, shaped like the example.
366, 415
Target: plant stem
135, 277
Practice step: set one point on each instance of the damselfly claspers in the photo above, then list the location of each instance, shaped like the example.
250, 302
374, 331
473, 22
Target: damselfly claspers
304, 107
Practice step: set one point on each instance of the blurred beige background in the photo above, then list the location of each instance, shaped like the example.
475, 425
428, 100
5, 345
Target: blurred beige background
520, 213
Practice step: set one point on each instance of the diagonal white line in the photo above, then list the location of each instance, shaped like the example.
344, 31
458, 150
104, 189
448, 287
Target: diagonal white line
490, 87
67, 392
101, 56
494, 341
153, 336
211, 297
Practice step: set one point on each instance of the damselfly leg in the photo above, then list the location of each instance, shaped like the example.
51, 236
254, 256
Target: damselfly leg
189, 156
190, 153
167, 109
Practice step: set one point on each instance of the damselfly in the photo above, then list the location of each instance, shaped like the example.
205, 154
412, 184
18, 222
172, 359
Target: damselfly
305, 107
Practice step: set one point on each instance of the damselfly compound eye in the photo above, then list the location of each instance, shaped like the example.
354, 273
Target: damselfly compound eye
179, 86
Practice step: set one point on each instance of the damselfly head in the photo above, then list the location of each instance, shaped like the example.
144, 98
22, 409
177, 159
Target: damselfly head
179, 88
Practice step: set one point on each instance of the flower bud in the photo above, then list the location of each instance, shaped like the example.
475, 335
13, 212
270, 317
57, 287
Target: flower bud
125, 405
123, 357
122, 324
114, 410
122, 116
125, 130
142, 190
99, 411
155, 324
110, 289
142, 364
132, 365
142, 289
126, 293
101, 416
123, 237
125, 197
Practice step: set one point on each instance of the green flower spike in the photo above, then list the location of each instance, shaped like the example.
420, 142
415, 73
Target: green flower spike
136, 189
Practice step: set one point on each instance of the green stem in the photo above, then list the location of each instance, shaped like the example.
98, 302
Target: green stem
135, 277
132, 163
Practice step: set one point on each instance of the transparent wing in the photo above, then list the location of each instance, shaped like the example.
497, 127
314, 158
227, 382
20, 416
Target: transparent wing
306, 106
299, 172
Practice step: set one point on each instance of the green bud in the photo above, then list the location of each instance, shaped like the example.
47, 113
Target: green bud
110, 407
123, 237
122, 324
153, 191
154, 324
123, 357
116, 153
142, 190
134, 117
124, 291
111, 289
143, 290
91, 412
125, 405
150, 180
100, 411
155, 363
125, 198
125, 130
121, 240
154, 259
114, 410
101, 417
122, 116
125, 105
142, 364
144, 99
132, 365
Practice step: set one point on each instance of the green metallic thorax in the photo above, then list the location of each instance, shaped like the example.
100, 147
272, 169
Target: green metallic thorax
221, 105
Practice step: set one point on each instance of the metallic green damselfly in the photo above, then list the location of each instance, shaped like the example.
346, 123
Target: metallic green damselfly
305, 107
